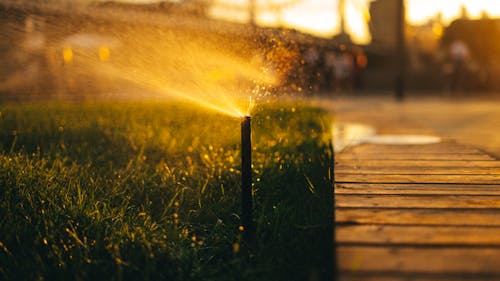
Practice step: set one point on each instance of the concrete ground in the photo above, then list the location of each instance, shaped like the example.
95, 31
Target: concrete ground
466, 120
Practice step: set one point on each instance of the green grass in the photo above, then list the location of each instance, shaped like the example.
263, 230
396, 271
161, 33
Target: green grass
150, 191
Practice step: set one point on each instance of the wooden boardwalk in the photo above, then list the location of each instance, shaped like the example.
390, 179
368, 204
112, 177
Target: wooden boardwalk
417, 212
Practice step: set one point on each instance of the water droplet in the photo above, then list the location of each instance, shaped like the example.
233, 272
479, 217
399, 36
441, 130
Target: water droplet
236, 247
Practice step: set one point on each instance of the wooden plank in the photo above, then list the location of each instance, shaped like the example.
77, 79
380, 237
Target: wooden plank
443, 217
409, 170
464, 179
418, 235
370, 149
409, 156
416, 163
404, 130
417, 213
411, 150
418, 201
416, 188
442, 144
418, 260
377, 276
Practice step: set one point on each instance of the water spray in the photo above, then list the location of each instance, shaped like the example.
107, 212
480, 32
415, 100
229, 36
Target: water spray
246, 179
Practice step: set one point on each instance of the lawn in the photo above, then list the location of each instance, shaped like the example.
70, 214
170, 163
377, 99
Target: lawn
151, 191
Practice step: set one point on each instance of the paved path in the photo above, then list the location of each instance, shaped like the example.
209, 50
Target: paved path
468, 121
419, 212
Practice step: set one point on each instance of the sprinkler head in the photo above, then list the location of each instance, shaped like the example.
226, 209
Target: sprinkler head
246, 178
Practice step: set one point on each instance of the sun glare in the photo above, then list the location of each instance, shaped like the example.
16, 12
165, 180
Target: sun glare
357, 16
315, 16
320, 17
419, 11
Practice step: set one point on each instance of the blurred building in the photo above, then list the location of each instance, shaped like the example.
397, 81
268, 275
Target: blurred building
481, 35
426, 37
383, 24
481, 38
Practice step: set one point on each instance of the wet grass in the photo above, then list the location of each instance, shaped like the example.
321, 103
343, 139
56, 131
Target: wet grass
150, 191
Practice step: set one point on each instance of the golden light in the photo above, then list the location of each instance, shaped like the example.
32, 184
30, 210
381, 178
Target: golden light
104, 53
437, 29
68, 55
220, 75
321, 18
420, 11
357, 16
314, 16
477, 7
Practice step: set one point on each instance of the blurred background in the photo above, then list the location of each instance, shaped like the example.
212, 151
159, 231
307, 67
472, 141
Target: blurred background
85, 49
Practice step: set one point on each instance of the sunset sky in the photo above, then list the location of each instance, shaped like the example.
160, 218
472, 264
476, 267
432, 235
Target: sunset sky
320, 17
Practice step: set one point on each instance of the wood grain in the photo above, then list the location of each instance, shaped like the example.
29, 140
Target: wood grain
421, 178
418, 235
416, 189
429, 212
414, 156
465, 217
415, 163
419, 260
378, 276
412, 170
443, 147
418, 201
